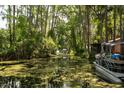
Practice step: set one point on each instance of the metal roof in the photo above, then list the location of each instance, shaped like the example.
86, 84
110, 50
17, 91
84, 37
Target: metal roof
112, 43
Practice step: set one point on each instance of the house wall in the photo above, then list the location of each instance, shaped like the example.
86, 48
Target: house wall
119, 48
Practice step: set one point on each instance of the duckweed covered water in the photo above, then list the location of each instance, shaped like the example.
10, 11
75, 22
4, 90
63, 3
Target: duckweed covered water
50, 73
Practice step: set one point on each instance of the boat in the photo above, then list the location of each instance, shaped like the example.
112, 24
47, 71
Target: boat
109, 63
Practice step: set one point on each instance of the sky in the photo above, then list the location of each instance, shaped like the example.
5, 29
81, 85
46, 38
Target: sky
2, 22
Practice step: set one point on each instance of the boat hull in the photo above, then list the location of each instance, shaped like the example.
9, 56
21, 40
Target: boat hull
108, 75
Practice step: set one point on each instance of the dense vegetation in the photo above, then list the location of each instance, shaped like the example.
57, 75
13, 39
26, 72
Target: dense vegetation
39, 31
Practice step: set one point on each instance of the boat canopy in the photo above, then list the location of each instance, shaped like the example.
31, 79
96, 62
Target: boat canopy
112, 43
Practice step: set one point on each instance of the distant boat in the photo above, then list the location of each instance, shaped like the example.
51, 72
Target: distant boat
109, 65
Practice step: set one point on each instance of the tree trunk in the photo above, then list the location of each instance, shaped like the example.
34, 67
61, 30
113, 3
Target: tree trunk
101, 27
30, 20
41, 18
88, 28
53, 22
14, 28
79, 20
73, 38
10, 30
37, 17
84, 28
114, 23
106, 23
120, 13
46, 19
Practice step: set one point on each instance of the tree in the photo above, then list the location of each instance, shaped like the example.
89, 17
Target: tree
114, 22
106, 23
120, 16
88, 27
14, 27
38, 30
10, 28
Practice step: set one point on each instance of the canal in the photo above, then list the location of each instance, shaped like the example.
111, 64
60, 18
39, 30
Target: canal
50, 73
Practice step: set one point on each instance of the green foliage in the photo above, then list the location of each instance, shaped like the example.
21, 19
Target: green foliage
49, 43
22, 27
4, 42
43, 29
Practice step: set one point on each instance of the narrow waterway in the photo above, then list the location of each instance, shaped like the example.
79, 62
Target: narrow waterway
50, 73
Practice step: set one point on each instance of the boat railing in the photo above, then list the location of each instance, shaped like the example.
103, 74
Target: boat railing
110, 65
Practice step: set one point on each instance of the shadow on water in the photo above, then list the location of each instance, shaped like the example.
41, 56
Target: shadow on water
29, 82
50, 73
17, 82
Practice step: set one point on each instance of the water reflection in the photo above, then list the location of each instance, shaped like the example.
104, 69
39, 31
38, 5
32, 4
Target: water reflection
50, 73
9, 82
16, 82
